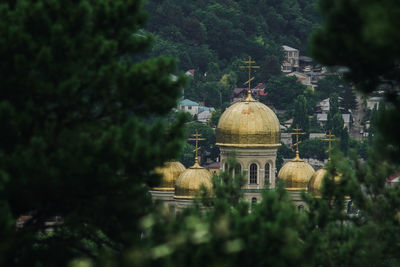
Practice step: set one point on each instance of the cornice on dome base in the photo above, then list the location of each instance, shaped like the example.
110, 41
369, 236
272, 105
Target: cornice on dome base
163, 188
249, 145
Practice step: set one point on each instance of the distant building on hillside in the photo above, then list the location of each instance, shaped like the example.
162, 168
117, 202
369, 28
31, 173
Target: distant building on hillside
286, 138
291, 62
317, 135
189, 106
301, 77
322, 118
241, 93
305, 63
393, 180
373, 102
323, 106
190, 72
204, 114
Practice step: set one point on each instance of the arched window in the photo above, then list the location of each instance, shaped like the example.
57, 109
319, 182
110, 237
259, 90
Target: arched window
253, 173
238, 169
226, 167
300, 208
266, 177
253, 201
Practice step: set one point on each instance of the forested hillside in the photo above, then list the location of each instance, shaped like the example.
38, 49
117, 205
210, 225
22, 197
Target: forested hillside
212, 36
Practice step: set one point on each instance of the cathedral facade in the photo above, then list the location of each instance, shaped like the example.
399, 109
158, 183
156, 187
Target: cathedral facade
249, 131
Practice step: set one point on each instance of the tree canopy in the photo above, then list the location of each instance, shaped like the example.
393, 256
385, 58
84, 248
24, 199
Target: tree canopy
83, 128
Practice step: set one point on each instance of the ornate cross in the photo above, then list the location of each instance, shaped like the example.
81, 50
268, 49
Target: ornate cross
196, 150
249, 67
330, 139
297, 133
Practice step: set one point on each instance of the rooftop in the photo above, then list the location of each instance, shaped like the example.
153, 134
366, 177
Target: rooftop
187, 102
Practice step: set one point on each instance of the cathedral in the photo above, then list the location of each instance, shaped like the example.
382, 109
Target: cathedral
251, 131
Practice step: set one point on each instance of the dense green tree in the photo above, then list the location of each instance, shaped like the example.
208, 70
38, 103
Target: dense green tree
300, 116
225, 235
270, 66
187, 156
221, 31
328, 85
349, 100
82, 128
282, 91
213, 122
369, 50
344, 141
208, 148
334, 123
313, 148
335, 84
283, 152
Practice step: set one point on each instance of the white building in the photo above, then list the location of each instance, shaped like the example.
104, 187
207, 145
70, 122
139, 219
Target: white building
322, 118
373, 102
205, 115
291, 59
301, 77
189, 106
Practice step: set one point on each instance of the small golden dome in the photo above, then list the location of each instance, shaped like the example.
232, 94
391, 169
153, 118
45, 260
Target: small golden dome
315, 183
248, 123
169, 174
296, 174
191, 180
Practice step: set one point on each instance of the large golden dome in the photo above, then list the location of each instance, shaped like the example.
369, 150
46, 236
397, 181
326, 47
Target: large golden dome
296, 174
315, 183
191, 180
169, 174
248, 123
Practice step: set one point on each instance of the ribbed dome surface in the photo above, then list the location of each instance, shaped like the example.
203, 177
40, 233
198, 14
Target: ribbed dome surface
169, 173
191, 180
296, 174
248, 123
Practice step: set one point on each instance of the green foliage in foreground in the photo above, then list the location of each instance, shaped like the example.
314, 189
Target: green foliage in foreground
231, 232
82, 128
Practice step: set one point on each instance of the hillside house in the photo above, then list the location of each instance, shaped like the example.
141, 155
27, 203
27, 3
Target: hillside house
291, 58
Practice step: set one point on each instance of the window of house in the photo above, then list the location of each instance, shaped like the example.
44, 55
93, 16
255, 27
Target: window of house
253, 173
189, 107
266, 176
253, 201
300, 208
225, 166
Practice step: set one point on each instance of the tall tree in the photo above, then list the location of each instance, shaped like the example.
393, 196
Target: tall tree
349, 100
300, 116
282, 91
369, 50
82, 128
335, 120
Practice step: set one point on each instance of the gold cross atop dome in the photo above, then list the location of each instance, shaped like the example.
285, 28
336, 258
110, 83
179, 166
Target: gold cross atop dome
196, 150
249, 67
297, 133
329, 139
